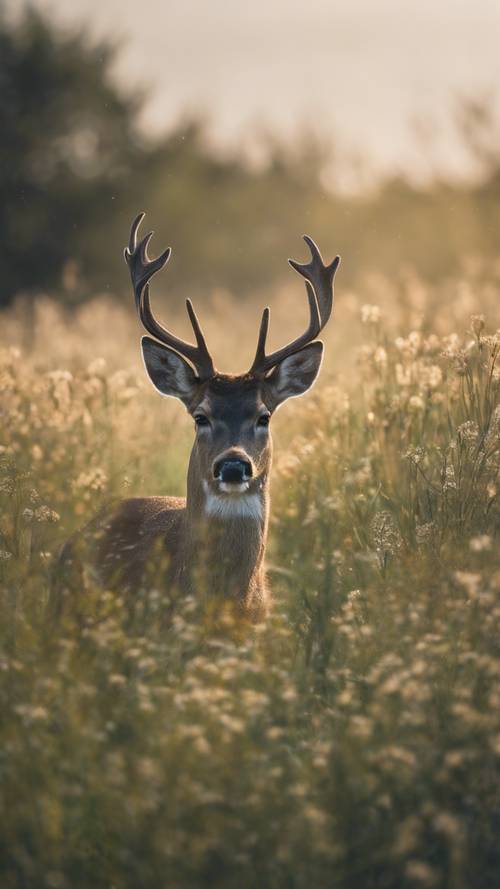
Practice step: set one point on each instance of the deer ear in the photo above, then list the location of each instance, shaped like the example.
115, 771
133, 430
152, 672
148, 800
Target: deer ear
294, 375
168, 372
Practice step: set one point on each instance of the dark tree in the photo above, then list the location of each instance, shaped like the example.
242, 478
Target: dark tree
68, 144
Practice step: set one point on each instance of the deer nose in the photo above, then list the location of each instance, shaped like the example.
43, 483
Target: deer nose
232, 469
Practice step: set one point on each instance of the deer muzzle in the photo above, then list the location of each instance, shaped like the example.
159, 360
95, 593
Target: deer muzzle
233, 472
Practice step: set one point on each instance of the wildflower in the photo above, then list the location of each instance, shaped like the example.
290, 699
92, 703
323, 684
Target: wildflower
415, 339
454, 759
361, 727
232, 723
449, 479
274, 733
311, 515
447, 824
461, 362
403, 375
315, 816
431, 377
469, 580
468, 432
32, 713
399, 755
491, 490
408, 835
451, 346
201, 745
97, 367
365, 354
432, 343
370, 314
415, 455
7, 486
148, 769
425, 533
254, 701
416, 404
480, 543
385, 534
94, 480
332, 503
60, 376
421, 873
133, 652
45, 514
117, 679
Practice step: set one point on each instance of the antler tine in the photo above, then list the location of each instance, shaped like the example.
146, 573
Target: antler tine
320, 276
142, 269
132, 243
195, 324
260, 355
319, 287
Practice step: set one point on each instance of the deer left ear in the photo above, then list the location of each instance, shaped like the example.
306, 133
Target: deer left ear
294, 375
168, 371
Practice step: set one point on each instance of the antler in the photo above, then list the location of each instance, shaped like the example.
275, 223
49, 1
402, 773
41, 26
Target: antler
142, 269
319, 285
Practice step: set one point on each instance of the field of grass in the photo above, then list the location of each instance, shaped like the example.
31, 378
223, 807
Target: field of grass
354, 740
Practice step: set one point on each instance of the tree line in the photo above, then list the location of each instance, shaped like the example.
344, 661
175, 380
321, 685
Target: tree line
75, 168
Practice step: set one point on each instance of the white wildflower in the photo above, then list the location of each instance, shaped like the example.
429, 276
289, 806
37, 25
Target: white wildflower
45, 514
370, 314
416, 404
480, 543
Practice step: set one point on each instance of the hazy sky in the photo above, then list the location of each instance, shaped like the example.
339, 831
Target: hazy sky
362, 70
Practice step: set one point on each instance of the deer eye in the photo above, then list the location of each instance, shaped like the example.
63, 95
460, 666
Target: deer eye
201, 420
264, 420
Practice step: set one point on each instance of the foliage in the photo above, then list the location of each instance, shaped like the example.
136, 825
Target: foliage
352, 741
75, 168
68, 146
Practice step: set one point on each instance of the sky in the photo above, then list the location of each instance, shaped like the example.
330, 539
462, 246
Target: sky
379, 79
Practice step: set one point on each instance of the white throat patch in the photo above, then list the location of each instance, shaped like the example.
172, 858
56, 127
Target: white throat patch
231, 506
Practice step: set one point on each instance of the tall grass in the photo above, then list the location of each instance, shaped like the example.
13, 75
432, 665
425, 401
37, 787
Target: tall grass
352, 741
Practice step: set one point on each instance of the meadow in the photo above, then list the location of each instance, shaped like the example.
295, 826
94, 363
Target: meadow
353, 740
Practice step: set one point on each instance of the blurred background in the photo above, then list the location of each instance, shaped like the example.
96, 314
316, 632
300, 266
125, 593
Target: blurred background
373, 127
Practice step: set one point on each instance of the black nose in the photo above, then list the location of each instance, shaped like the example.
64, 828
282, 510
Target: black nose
232, 470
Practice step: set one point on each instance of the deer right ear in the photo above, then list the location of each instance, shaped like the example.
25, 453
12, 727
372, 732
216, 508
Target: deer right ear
294, 375
168, 372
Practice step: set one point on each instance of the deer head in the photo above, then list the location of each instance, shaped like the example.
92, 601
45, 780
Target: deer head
232, 452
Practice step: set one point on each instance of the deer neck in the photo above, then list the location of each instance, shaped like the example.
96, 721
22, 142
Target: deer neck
226, 538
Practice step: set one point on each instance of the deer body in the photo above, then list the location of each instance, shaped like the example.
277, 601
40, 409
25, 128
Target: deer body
221, 558
214, 541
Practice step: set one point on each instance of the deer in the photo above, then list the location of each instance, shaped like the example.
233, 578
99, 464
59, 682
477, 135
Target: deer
215, 538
